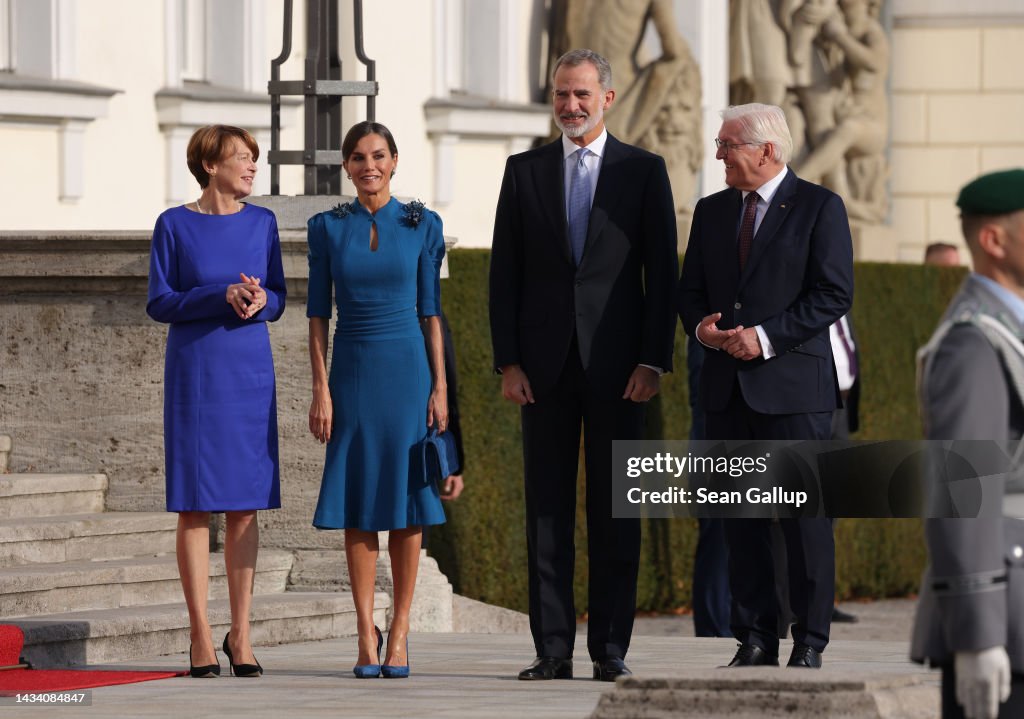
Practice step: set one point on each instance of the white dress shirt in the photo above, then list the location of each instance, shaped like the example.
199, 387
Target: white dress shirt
842, 359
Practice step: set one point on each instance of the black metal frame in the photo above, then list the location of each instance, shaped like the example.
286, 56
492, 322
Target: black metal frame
322, 90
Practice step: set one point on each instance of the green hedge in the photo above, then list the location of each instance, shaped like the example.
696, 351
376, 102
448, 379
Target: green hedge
482, 548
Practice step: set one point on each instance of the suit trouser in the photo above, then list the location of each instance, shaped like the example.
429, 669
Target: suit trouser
841, 431
810, 549
710, 596
1012, 709
551, 441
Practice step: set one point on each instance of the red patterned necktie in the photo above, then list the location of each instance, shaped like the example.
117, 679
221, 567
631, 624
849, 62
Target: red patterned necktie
747, 227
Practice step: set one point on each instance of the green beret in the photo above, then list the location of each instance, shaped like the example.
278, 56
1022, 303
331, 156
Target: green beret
997, 193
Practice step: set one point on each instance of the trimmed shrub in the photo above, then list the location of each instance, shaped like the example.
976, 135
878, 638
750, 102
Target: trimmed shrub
482, 548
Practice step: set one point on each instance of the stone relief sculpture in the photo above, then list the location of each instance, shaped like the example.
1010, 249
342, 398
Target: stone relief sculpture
657, 104
829, 73
758, 68
862, 113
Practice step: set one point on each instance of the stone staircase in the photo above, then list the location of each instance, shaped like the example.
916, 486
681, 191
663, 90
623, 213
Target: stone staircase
89, 586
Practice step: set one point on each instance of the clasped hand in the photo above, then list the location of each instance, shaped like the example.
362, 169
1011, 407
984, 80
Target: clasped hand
740, 342
246, 297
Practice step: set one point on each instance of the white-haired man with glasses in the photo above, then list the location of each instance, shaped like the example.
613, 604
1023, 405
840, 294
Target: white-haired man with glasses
768, 267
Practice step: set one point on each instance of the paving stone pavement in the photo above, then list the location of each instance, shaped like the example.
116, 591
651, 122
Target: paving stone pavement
464, 675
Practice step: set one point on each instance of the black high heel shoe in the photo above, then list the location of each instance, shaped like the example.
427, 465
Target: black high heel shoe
241, 670
207, 671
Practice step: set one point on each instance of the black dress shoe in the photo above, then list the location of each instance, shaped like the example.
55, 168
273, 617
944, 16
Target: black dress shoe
804, 656
548, 668
610, 668
751, 655
839, 616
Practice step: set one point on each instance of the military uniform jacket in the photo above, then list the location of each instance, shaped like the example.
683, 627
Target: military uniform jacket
971, 386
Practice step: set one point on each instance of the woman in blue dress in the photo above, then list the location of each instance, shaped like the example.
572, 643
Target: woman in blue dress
384, 389
215, 276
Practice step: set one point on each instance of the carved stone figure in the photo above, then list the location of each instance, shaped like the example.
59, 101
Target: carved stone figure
861, 113
657, 104
829, 74
758, 68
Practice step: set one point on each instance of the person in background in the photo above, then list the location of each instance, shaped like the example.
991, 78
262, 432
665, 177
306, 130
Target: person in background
453, 485
710, 596
970, 615
846, 419
942, 254
215, 275
379, 261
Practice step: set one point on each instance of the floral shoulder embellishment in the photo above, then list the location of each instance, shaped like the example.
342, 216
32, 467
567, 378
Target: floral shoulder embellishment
342, 209
412, 213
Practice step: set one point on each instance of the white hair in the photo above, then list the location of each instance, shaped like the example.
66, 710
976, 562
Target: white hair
762, 123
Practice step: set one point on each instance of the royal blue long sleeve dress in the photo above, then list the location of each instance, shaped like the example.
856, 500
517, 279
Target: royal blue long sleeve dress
220, 407
380, 378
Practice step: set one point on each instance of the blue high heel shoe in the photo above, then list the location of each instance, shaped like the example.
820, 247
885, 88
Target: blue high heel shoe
391, 671
370, 671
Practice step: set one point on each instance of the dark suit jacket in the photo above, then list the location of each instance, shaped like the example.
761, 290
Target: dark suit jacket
798, 280
618, 301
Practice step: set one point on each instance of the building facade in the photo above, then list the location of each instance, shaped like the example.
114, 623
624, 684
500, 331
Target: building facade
98, 99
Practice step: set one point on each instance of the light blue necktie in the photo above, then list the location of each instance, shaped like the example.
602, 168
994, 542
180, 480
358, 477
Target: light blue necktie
579, 205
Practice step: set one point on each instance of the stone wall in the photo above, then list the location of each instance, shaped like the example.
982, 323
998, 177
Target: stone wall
957, 100
81, 373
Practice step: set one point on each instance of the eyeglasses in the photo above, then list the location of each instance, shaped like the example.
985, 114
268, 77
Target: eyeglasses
721, 145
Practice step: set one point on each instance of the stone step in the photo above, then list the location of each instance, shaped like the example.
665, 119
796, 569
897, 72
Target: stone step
114, 635
5, 452
32, 589
107, 535
763, 692
39, 495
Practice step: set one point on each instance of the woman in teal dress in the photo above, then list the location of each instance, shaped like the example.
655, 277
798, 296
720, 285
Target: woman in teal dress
385, 389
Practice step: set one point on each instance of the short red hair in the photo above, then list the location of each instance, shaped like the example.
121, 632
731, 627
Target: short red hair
211, 144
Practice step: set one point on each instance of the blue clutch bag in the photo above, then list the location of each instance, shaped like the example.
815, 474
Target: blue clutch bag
440, 458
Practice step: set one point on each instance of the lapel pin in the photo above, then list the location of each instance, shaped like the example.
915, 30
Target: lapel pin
782, 206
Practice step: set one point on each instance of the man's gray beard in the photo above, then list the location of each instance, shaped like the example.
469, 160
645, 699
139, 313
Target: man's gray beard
580, 130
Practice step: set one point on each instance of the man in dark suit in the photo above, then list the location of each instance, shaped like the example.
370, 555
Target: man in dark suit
768, 267
582, 273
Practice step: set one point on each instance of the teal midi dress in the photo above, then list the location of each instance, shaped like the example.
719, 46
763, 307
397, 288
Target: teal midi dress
379, 378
